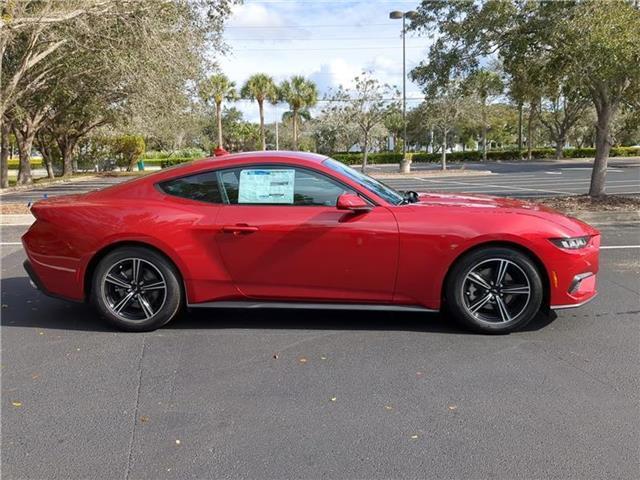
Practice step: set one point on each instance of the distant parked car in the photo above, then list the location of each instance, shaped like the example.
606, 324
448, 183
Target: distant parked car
286, 229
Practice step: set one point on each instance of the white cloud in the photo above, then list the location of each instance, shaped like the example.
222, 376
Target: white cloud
328, 42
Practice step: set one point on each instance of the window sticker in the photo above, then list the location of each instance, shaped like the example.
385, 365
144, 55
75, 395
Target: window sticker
266, 186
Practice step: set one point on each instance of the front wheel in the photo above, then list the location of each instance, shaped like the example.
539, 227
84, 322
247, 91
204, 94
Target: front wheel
494, 290
136, 289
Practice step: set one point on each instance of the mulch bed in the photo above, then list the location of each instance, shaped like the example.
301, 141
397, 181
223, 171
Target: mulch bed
14, 209
583, 203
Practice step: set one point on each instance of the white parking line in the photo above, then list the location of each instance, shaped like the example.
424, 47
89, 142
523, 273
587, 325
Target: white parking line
11, 243
617, 247
508, 187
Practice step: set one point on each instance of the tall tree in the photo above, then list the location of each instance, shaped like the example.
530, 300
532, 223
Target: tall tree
216, 89
260, 87
366, 105
560, 109
301, 94
444, 110
588, 41
100, 47
484, 85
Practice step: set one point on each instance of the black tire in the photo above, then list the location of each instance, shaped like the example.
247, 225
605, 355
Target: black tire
146, 306
501, 308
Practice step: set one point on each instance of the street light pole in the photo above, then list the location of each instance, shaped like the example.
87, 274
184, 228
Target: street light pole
404, 165
404, 89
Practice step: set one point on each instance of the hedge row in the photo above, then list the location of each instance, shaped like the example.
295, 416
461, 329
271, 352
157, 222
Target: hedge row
184, 153
473, 156
35, 163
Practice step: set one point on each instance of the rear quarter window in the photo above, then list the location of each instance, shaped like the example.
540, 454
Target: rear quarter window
202, 187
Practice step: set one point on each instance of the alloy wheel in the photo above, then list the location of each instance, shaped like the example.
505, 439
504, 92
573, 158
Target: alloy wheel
134, 289
496, 291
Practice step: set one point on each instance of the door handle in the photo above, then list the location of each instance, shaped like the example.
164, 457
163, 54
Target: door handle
239, 229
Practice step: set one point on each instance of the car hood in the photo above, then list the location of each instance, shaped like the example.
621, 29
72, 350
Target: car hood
507, 205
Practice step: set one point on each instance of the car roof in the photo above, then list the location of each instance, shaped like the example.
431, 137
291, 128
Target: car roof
268, 154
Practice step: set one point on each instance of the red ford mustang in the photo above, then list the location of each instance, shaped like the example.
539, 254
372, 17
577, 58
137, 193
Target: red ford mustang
284, 229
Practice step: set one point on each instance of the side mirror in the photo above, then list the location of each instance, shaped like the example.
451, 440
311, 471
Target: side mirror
353, 203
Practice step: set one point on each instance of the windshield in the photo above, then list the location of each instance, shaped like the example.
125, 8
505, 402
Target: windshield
379, 188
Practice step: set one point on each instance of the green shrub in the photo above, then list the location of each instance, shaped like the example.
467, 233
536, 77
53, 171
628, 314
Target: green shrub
183, 153
35, 163
129, 149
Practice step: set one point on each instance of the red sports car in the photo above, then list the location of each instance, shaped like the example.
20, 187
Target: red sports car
288, 229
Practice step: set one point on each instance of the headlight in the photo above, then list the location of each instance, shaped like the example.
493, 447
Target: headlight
571, 243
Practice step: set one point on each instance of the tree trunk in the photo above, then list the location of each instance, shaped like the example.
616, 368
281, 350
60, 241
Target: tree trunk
484, 133
4, 153
520, 107
25, 138
66, 151
295, 129
530, 132
264, 139
603, 145
444, 150
365, 156
219, 122
560, 143
47, 156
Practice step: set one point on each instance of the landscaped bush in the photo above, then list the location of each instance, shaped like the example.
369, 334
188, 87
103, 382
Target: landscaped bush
14, 162
182, 153
163, 159
353, 158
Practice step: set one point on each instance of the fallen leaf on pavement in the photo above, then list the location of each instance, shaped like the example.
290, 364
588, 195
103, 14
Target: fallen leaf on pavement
414, 437
144, 419
323, 358
16, 404
333, 399
388, 407
35, 376
302, 360
453, 407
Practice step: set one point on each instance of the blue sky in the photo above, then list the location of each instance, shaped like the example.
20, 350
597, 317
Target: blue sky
328, 41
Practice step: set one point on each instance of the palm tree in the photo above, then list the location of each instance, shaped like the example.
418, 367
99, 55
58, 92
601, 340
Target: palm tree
217, 88
300, 94
260, 87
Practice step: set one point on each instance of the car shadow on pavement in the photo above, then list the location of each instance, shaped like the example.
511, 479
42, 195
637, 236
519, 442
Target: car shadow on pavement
23, 306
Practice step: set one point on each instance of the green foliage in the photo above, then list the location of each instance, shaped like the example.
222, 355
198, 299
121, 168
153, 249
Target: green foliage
128, 150
182, 153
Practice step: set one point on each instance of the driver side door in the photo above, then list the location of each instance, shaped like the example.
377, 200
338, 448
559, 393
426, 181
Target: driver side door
290, 242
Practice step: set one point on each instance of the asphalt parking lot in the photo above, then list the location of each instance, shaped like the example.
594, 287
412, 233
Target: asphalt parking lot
302, 394
517, 179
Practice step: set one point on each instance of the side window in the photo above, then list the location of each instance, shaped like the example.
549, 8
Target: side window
280, 185
202, 187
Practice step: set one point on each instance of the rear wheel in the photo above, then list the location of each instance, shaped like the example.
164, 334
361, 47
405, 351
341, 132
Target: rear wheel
136, 289
494, 290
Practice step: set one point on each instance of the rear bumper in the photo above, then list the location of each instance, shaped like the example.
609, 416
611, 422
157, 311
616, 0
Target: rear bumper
33, 277
36, 282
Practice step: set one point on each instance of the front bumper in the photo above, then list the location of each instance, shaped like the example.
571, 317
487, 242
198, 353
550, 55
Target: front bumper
573, 276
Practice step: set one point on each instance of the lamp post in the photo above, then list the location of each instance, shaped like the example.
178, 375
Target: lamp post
396, 15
